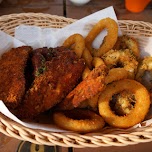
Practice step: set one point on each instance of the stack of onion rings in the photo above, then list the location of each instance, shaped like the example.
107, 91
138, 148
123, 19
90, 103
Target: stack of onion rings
115, 64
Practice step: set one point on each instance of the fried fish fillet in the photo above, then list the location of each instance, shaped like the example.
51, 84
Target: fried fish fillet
12, 78
88, 88
61, 75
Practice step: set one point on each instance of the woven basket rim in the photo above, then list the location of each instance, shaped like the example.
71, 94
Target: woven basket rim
117, 137
57, 16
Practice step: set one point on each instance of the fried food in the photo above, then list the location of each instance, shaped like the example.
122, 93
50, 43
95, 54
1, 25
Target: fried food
98, 81
86, 89
93, 84
127, 42
122, 59
79, 120
96, 61
88, 58
92, 103
41, 55
108, 42
144, 72
76, 41
38, 62
116, 74
62, 74
137, 114
85, 72
12, 78
123, 102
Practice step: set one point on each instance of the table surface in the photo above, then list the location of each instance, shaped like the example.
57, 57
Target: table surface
67, 9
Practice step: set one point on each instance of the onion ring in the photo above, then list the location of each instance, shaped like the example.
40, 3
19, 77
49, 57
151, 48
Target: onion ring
85, 72
79, 120
144, 65
96, 61
86, 55
77, 41
126, 42
136, 115
116, 74
144, 73
119, 58
108, 42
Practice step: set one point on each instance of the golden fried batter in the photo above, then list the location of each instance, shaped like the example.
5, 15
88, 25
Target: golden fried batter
12, 79
127, 42
88, 88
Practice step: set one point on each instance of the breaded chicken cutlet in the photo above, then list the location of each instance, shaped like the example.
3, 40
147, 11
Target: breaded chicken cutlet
61, 73
12, 78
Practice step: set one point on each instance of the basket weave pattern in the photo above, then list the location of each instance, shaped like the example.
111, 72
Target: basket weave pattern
109, 136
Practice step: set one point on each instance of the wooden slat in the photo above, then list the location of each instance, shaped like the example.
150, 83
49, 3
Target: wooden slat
22, 6
78, 12
55, 7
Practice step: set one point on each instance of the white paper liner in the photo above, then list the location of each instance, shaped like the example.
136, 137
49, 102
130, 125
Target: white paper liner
50, 37
7, 42
145, 44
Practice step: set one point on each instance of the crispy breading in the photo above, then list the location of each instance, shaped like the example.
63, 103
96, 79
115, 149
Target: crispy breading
88, 88
12, 79
61, 75
41, 55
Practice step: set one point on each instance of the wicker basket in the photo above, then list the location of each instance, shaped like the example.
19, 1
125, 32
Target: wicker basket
110, 136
